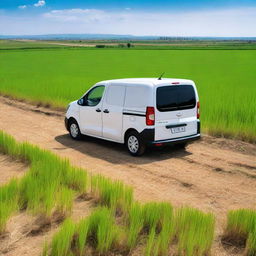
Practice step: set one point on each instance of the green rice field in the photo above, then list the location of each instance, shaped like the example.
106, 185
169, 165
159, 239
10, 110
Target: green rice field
225, 79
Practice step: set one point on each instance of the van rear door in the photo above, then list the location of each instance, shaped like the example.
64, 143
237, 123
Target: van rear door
176, 113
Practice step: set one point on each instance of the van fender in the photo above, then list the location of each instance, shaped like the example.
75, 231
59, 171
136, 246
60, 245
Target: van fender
147, 135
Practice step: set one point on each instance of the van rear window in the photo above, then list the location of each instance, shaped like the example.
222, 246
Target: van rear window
170, 98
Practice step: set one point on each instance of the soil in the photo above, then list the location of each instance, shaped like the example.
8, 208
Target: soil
213, 174
10, 168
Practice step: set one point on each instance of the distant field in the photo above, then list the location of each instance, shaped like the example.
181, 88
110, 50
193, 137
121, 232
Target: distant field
170, 44
11, 45
225, 78
138, 45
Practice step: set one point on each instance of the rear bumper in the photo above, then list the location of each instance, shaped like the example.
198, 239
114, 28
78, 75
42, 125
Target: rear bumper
148, 136
178, 140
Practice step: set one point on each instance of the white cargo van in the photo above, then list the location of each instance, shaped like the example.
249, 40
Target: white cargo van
138, 112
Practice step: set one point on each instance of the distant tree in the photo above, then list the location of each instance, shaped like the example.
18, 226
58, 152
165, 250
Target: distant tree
129, 45
100, 46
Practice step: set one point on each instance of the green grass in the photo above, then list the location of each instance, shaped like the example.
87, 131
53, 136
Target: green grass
251, 243
61, 242
225, 79
103, 230
113, 194
241, 229
98, 230
135, 224
82, 235
8, 202
49, 185
195, 232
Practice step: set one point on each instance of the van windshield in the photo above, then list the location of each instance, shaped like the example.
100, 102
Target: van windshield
170, 98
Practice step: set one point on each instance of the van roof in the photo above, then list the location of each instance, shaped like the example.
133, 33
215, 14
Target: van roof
148, 81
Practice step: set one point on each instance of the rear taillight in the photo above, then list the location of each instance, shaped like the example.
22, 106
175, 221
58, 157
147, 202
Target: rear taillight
198, 110
150, 116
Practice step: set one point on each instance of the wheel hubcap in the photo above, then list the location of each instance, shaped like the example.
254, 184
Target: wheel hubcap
74, 130
133, 144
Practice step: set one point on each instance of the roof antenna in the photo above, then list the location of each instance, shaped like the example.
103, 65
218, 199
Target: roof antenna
160, 78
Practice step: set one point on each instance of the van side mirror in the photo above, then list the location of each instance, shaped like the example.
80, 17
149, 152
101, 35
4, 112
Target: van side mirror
81, 102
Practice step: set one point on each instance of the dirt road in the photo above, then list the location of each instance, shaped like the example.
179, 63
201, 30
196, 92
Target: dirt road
214, 174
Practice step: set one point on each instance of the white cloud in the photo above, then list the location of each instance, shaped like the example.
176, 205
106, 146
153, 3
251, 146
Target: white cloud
22, 7
83, 15
39, 3
223, 22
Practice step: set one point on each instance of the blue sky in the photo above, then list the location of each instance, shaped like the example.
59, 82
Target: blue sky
170, 18
137, 4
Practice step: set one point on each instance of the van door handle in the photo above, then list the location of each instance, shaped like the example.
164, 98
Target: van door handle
106, 111
98, 110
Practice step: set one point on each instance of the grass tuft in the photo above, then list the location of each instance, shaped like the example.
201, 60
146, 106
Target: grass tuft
135, 224
82, 235
113, 194
8, 202
61, 242
50, 185
241, 229
194, 231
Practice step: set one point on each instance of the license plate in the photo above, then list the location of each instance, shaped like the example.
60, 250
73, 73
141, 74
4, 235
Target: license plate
178, 129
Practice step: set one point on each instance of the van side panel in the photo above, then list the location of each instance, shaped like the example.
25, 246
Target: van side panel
137, 98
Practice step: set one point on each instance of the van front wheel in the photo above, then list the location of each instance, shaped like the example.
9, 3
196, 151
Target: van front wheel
134, 144
74, 130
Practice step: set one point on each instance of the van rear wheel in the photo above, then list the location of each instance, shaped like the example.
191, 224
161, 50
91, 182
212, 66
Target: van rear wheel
74, 130
134, 144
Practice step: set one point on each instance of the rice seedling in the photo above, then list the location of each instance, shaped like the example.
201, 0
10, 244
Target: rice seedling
239, 224
155, 213
135, 224
65, 198
76, 179
251, 243
82, 235
113, 194
150, 243
99, 230
195, 232
166, 234
37, 193
50, 184
102, 229
8, 202
8, 144
158, 220
61, 242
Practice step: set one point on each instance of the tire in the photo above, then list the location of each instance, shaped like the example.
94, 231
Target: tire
134, 144
74, 130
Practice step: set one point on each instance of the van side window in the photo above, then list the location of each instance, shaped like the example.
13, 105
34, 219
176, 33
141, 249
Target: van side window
115, 95
94, 96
